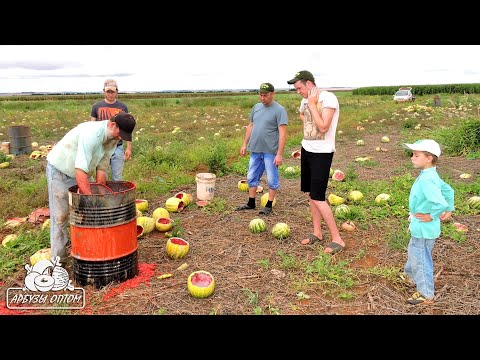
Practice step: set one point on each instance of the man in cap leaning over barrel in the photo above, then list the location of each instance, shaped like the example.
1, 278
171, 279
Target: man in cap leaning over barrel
83, 152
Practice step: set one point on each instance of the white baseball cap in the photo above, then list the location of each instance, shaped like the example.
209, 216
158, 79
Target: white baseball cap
110, 84
428, 145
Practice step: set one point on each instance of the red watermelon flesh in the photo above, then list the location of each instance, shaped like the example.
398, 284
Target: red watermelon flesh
201, 280
178, 241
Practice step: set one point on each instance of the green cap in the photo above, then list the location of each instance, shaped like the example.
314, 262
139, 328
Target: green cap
266, 88
302, 75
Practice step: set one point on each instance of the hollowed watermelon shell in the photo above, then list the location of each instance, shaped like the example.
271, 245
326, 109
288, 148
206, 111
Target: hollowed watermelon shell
140, 231
174, 204
43, 254
163, 224
243, 185
177, 248
338, 175
200, 284
141, 204
185, 197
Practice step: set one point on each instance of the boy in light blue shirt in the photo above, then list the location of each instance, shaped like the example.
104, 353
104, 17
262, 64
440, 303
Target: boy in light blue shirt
431, 201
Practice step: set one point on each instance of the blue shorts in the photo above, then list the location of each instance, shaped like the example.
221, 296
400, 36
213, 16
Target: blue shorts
260, 163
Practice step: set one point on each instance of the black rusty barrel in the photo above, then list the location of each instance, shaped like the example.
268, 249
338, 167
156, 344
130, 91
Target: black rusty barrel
20, 139
103, 232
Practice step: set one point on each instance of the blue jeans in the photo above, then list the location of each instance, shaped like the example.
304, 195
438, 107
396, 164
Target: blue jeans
58, 184
419, 266
259, 163
117, 161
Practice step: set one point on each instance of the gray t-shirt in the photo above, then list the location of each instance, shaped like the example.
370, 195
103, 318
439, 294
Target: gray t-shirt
265, 134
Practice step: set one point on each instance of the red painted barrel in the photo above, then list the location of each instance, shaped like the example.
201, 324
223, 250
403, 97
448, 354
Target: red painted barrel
104, 243
103, 233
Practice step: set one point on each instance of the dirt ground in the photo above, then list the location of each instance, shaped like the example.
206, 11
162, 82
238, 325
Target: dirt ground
221, 244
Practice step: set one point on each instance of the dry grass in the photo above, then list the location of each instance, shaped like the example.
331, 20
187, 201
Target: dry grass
250, 276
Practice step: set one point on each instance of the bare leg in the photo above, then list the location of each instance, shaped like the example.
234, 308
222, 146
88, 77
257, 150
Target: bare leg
327, 215
271, 194
317, 222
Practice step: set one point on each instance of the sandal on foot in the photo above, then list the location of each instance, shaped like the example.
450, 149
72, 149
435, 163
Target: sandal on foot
404, 279
312, 239
336, 248
245, 207
265, 211
418, 298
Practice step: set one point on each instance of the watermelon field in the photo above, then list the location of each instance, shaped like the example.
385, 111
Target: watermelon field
177, 138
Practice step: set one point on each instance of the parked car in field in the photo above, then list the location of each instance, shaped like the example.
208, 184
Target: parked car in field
404, 94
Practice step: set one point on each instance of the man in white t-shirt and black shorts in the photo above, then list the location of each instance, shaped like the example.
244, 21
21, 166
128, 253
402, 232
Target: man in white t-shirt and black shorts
319, 111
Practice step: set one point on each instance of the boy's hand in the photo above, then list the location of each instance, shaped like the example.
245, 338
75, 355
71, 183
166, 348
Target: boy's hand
423, 217
446, 215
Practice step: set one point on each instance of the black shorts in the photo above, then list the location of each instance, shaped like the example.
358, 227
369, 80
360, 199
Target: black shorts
315, 172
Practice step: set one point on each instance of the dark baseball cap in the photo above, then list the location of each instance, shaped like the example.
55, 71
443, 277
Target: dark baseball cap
126, 123
302, 75
266, 88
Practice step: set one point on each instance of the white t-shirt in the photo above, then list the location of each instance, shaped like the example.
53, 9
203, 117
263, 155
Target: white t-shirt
313, 141
85, 147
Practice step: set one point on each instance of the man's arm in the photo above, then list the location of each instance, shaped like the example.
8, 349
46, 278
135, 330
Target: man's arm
128, 150
248, 133
282, 139
83, 182
323, 117
101, 177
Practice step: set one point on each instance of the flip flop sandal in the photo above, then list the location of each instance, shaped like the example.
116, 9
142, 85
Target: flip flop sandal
418, 298
312, 239
336, 248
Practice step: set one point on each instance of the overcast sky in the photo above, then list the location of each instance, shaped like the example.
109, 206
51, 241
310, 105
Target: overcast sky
83, 68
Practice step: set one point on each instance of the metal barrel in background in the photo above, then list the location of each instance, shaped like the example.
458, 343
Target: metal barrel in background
20, 139
103, 233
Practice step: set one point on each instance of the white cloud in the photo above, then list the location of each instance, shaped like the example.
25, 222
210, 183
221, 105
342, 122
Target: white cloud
52, 68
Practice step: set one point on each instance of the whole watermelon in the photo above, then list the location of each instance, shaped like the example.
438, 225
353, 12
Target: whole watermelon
342, 210
264, 199
474, 202
281, 231
257, 226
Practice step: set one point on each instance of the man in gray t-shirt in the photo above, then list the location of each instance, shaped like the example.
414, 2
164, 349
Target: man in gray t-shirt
265, 138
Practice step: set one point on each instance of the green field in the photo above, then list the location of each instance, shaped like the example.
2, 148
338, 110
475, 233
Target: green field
178, 137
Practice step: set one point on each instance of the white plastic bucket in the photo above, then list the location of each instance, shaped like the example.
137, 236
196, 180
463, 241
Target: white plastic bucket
205, 186
5, 147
